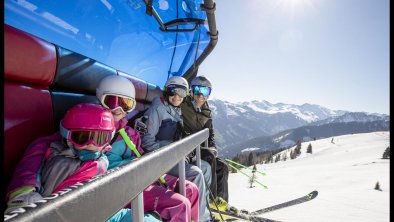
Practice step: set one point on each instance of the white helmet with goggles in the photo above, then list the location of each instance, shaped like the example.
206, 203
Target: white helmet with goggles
176, 84
201, 81
116, 91
201, 85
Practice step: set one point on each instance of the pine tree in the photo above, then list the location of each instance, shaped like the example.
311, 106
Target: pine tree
277, 158
292, 154
309, 149
269, 158
386, 154
284, 158
377, 186
251, 159
298, 148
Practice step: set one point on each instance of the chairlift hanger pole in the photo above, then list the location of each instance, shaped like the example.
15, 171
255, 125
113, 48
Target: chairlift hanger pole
165, 27
152, 12
209, 7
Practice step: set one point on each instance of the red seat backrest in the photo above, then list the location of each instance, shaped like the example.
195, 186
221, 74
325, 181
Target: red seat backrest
30, 67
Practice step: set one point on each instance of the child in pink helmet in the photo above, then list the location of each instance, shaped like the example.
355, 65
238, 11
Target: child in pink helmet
77, 155
73, 156
117, 94
86, 130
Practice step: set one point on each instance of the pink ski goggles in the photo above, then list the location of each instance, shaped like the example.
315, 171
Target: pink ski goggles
81, 138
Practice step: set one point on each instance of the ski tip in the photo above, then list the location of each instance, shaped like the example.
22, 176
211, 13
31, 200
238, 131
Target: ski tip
313, 194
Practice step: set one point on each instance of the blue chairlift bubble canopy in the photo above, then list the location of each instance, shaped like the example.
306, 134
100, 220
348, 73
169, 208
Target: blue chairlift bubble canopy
151, 43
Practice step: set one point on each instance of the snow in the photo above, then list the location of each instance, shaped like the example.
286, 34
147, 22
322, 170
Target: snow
287, 143
231, 112
250, 149
230, 109
285, 108
269, 110
280, 137
344, 173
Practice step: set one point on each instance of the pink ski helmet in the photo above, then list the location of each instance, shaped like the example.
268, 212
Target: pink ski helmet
88, 123
89, 117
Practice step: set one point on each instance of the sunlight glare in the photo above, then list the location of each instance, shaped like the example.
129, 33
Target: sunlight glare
294, 6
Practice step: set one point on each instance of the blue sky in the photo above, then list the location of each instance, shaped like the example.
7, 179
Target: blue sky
334, 53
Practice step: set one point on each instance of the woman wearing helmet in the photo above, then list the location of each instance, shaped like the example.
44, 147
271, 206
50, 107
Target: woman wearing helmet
197, 116
117, 94
163, 124
75, 156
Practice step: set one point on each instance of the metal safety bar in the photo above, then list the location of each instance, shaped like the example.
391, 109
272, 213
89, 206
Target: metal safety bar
102, 196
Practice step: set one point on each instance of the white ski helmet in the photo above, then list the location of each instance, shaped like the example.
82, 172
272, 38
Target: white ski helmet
179, 83
201, 81
118, 86
177, 80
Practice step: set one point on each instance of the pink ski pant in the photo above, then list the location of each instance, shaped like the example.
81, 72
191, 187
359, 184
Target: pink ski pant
170, 205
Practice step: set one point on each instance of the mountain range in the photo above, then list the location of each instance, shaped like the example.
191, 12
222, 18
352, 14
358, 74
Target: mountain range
261, 125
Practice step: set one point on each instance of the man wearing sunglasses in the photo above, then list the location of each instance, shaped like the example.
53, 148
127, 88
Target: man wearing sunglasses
164, 124
197, 116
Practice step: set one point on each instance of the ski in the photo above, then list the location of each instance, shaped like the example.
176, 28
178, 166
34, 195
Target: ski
254, 216
243, 166
299, 200
242, 216
238, 170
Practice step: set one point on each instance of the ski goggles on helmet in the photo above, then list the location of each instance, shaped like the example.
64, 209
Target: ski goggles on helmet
114, 101
201, 90
181, 91
80, 138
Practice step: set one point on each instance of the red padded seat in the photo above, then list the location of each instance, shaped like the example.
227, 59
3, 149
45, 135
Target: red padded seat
27, 58
27, 116
30, 66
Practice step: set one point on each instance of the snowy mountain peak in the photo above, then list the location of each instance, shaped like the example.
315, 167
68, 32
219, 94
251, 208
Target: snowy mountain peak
353, 117
238, 122
306, 112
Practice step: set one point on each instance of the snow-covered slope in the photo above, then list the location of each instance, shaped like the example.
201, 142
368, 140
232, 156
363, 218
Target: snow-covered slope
344, 172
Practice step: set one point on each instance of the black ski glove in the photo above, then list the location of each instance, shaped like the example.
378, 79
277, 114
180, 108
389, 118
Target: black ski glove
140, 125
